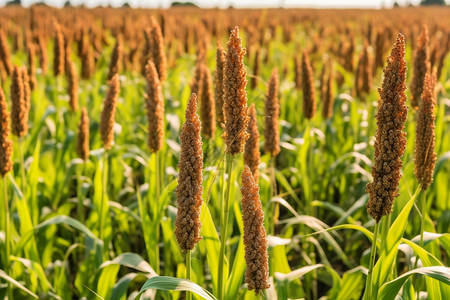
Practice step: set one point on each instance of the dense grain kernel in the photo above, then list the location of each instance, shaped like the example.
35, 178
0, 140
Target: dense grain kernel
207, 105
424, 154
6, 144
116, 58
272, 111
252, 156
255, 240
82, 146
390, 142
19, 107
157, 50
309, 101
31, 55
254, 79
328, 101
421, 67
218, 83
235, 97
72, 85
59, 58
108, 113
189, 189
5, 56
154, 102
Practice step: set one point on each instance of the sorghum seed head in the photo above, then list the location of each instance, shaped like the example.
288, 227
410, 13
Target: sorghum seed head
154, 101
6, 144
272, 110
421, 67
252, 156
83, 135
309, 101
108, 113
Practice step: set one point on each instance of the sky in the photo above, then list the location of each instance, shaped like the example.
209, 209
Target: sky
235, 3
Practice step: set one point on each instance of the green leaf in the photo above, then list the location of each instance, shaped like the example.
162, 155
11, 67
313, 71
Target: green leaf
390, 289
17, 284
167, 283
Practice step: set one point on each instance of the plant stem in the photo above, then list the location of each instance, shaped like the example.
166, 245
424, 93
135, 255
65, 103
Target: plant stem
104, 193
22, 166
423, 204
188, 273
155, 215
223, 227
276, 208
80, 206
368, 293
7, 234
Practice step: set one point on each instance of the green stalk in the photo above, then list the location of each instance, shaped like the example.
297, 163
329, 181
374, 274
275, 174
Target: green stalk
368, 293
423, 206
224, 225
80, 206
273, 188
104, 193
188, 273
7, 234
155, 212
22, 166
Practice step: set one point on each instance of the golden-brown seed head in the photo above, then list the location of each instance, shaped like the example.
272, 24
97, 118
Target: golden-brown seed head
297, 72
59, 57
157, 50
254, 79
189, 189
116, 58
72, 87
218, 91
6, 144
421, 67
255, 239
207, 104
154, 102
328, 101
108, 113
309, 101
31, 53
235, 97
424, 153
26, 88
252, 156
272, 110
19, 106
4, 53
82, 146
390, 142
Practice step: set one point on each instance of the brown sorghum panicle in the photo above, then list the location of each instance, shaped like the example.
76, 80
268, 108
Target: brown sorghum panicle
5, 56
59, 57
116, 58
220, 60
197, 81
157, 50
83, 136
390, 142
235, 97
309, 101
366, 73
421, 67
108, 113
154, 102
254, 79
43, 57
207, 105
189, 189
255, 240
272, 111
72, 87
19, 106
5, 142
379, 51
26, 89
328, 101
297, 73
31, 52
252, 156
424, 154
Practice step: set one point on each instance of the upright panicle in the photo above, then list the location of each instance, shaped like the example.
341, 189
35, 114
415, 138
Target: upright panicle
108, 113
235, 97
157, 50
154, 102
328, 100
59, 57
116, 58
390, 142
252, 156
82, 146
421, 67
189, 189
297, 73
5, 55
72, 86
207, 105
255, 239
31, 57
6, 144
272, 110
256, 62
424, 154
19, 106
218, 83
43, 54
309, 101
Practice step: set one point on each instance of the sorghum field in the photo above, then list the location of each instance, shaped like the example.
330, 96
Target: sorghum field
224, 154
